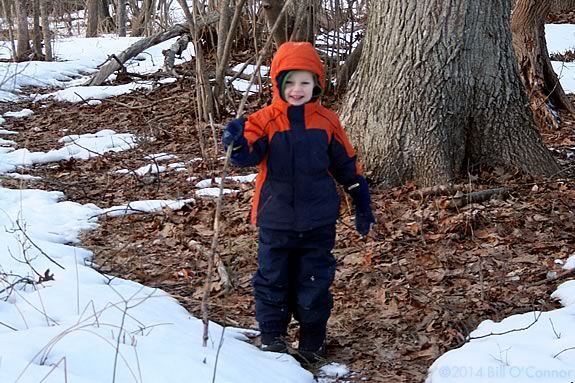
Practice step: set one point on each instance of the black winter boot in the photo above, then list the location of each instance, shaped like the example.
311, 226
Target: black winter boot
311, 343
272, 336
274, 345
307, 357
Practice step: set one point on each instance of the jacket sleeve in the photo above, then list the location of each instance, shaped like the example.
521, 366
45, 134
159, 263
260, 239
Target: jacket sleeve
253, 146
343, 160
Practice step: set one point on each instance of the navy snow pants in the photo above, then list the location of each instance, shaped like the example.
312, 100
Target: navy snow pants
295, 272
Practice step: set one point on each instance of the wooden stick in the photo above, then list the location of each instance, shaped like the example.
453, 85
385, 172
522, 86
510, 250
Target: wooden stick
208, 286
561, 275
459, 201
437, 190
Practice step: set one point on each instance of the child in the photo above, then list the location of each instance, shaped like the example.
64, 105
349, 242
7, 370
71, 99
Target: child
301, 149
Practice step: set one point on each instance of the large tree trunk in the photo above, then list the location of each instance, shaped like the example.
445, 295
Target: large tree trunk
562, 5
437, 90
540, 81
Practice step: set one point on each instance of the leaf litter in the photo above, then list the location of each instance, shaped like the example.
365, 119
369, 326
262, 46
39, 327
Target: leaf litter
415, 288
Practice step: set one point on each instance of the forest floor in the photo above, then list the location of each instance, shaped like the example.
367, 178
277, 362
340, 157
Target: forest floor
414, 289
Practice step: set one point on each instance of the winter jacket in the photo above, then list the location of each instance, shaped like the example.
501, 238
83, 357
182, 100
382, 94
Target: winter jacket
300, 151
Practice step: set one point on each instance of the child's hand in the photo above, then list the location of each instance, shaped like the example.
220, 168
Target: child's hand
233, 132
363, 222
359, 192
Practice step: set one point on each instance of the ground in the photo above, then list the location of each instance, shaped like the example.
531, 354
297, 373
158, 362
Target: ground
414, 289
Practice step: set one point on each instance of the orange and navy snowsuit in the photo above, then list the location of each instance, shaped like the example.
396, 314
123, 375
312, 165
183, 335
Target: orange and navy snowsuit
301, 152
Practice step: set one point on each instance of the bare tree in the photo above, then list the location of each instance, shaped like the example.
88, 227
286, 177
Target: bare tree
8, 17
92, 18
105, 21
542, 85
304, 20
142, 20
226, 35
37, 32
23, 42
437, 90
122, 18
272, 9
47, 34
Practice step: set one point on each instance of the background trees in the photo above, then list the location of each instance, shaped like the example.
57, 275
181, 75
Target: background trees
541, 83
431, 98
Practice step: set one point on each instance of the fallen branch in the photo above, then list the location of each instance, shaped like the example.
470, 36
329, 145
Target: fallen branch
461, 199
561, 275
116, 62
437, 190
175, 49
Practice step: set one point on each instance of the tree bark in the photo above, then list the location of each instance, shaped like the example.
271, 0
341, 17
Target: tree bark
141, 19
541, 83
437, 90
37, 31
92, 18
8, 17
23, 43
562, 5
348, 68
272, 9
122, 18
175, 49
225, 39
304, 27
47, 34
106, 23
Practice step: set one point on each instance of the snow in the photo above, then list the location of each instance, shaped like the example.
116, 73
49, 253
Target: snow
78, 325
530, 347
81, 326
570, 264
561, 38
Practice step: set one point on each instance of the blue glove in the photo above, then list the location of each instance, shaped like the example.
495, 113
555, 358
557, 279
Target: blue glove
359, 192
234, 134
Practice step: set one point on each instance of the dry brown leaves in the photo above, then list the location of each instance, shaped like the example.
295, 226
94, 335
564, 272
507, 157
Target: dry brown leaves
411, 291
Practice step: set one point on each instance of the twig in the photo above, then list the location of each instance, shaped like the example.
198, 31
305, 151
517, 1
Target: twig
563, 274
223, 273
506, 332
558, 335
562, 351
117, 348
38, 247
8, 326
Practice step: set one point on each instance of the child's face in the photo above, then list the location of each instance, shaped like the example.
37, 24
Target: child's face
298, 87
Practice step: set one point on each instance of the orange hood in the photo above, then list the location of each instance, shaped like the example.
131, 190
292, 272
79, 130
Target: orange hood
296, 56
